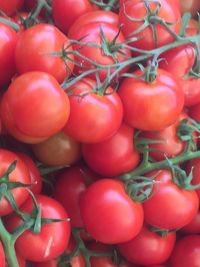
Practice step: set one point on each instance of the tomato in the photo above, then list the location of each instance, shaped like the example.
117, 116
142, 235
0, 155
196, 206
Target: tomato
25, 107
186, 252
160, 210
194, 226
170, 144
36, 179
106, 209
53, 238
191, 6
148, 247
19, 174
8, 41
93, 117
101, 52
10, 7
2, 256
151, 106
67, 190
94, 16
58, 150
113, 156
132, 16
35, 48
61, 15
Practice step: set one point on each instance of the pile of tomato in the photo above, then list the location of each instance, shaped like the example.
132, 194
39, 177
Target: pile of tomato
99, 133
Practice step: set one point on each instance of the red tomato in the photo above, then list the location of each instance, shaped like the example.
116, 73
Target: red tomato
94, 16
151, 106
106, 209
58, 150
148, 247
113, 156
53, 237
19, 174
194, 226
186, 252
34, 51
61, 15
106, 54
132, 16
8, 40
2, 256
25, 107
10, 7
93, 117
170, 207
36, 179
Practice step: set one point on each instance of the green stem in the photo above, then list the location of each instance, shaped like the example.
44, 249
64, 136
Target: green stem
12, 24
110, 5
164, 164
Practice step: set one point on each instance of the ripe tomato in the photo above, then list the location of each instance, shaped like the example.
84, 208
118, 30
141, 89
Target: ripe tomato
8, 40
186, 252
113, 156
106, 209
10, 7
193, 227
53, 238
94, 16
2, 256
151, 106
105, 54
59, 149
132, 16
34, 107
160, 210
148, 247
61, 15
19, 174
34, 51
93, 117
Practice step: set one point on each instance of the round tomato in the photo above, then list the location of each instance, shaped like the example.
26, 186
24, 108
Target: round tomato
19, 174
8, 40
59, 149
194, 226
10, 7
34, 107
35, 48
113, 156
2, 256
151, 106
53, 238
93, 117
148, 247
106, 209
160, 210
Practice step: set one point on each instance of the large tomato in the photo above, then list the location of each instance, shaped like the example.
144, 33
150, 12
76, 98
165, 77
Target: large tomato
151, 106
34, 107
113, 156
132, 16
53, 238
160, 210
106, 209
19, 174
148, 247
35, 51
94, 117
8, 40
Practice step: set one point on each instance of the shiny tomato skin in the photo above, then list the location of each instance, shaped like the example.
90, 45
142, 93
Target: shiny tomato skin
93, 117
186, 252
114, 156
53, 238
106, 209
10, 7
151, 106
61, 15
19, 174
160, 210
34, 51
133, 10
2, 256
148, 247
8, 40
28, 93
94, 16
